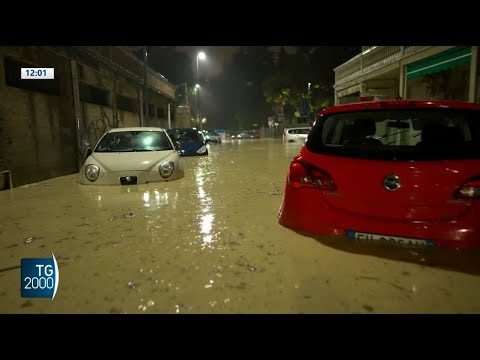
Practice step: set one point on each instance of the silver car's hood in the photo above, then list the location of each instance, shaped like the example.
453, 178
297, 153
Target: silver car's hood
121, 161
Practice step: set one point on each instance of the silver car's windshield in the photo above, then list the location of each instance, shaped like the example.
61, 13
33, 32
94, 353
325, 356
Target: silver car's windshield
131, 141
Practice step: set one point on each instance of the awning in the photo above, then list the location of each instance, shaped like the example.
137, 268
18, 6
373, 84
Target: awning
446, 60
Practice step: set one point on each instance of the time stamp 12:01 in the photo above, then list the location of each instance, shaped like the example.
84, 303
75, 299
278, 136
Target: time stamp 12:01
38, 73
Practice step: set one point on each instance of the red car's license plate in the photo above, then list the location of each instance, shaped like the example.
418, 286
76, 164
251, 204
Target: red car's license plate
388, 239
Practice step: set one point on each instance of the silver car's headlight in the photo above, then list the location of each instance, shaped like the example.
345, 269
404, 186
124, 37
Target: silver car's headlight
202, 150
166, 169
92, 172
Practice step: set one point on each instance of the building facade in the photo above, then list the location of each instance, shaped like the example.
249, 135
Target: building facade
410, 72
46, 125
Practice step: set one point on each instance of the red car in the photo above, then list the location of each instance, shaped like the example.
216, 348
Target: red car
402, 172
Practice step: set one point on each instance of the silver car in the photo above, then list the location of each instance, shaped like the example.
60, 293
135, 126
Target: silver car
135, 155
296, 134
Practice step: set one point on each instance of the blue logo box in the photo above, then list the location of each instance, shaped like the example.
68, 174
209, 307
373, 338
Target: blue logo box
40, 277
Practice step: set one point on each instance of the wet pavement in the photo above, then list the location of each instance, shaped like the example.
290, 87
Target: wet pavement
210, 243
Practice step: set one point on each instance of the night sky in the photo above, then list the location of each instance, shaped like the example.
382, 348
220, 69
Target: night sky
223, 97
216, 57
212, 66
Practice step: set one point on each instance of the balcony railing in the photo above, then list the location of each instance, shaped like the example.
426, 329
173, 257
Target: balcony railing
370, 60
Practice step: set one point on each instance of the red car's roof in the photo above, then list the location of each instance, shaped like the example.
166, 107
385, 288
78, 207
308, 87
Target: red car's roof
401, 104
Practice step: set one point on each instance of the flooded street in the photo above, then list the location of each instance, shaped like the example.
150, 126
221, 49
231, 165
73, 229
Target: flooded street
208, 243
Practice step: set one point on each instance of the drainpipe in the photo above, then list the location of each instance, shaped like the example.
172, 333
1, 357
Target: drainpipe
140, 99
77, 111
114, 104
169, 117
145, 86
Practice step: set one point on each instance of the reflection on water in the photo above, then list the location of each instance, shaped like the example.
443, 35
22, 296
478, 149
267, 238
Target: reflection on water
461, 260
210, 243
154, 198
146, 199
206, 217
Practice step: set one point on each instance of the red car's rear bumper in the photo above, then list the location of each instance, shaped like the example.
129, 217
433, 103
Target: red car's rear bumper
303, 210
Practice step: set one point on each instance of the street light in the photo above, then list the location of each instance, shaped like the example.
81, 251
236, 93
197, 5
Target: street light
309, 101
145, 87
200, 56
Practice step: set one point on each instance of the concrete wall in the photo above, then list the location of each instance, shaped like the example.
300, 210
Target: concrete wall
158, 118
37, 130
99, 118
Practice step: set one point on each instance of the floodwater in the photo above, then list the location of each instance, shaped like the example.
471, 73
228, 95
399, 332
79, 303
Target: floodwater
210, 243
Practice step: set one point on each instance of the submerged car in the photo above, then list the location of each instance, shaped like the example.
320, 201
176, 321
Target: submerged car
245, 135
297, 134
135, 155
399, 172
212, 136
191, 141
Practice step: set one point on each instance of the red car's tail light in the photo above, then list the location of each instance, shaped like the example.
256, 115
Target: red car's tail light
469, 190
302, 174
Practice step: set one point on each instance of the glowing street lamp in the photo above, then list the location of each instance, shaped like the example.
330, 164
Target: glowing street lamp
200, 56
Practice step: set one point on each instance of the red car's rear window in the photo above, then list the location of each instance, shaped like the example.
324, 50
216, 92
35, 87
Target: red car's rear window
398, 134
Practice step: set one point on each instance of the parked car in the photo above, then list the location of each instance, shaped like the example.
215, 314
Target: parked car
128, 156
296, 134
212, 136
401, 172
191, 141
249, 134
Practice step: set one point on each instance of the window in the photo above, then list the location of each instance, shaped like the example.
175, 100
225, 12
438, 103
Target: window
423, 134
151, 110
94, 95
184, 135
127, 104
160, 113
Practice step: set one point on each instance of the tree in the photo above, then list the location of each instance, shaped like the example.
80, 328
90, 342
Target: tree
314, 65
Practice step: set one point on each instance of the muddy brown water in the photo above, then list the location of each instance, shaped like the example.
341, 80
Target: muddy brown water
210, 243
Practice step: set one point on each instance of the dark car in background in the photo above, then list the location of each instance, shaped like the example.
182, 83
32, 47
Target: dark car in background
212, 136
244, 134
191, 140
398, 172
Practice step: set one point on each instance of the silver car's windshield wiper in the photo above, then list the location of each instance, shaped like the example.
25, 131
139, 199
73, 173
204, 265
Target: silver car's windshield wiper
129, 150
159, 149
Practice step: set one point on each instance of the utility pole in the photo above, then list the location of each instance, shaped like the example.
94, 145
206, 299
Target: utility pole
169, 117
145, 85
78, 113
200, 56
309, 106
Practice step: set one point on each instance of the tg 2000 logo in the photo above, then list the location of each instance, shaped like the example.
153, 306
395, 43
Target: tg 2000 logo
39, 277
